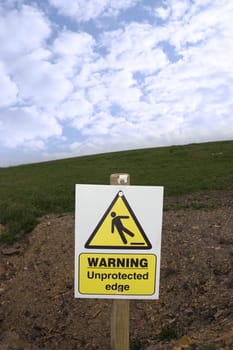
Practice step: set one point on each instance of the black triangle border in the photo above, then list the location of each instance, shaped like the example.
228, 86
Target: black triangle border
87, 244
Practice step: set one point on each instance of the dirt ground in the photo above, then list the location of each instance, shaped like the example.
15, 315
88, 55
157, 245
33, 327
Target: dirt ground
195, 309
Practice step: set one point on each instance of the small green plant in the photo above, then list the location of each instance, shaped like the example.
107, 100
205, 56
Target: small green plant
186, 285
18, 219
209, 315
169, 271
169, 332
136, 344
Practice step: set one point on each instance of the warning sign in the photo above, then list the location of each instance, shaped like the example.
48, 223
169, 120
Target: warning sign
119, 228
118, 241
117, 274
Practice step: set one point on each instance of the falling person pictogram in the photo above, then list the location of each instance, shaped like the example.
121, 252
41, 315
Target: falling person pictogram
117, 223
118, 228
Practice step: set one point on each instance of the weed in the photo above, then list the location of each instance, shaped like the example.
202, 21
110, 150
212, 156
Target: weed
8, 237
209, 315
169, 332
169, 271
136, 344
186, 286
19, 220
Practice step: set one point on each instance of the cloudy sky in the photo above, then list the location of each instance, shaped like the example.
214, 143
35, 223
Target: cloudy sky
81, 77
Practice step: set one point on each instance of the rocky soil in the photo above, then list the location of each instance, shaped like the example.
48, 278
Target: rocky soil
195, 309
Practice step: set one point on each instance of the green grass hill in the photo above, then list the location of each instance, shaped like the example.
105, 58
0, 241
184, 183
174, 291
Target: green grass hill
28, 192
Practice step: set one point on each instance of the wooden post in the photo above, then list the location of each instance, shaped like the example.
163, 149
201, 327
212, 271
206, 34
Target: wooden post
120, 307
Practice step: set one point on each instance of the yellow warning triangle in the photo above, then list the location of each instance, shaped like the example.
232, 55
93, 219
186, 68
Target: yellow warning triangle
119, 228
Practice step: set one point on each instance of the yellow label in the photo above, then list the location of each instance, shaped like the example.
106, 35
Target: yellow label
117, 274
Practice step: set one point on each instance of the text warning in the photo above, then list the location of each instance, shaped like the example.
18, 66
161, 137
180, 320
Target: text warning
131, 274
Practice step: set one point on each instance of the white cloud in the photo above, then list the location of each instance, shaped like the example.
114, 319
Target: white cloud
75, 146
162, 12
41, 81
179, 8
21, 31
200, 25
34, 145
123, 90
8, 89
85, 10
159, 107
70, 43
135, 48
26, 60
72, 51
77, 106
26, 127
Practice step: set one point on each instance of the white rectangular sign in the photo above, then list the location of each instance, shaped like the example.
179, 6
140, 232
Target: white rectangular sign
118, 241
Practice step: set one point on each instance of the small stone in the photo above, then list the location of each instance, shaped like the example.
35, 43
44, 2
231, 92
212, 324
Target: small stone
11, 251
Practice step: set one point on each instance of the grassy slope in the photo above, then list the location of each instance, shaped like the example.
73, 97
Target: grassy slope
29, 191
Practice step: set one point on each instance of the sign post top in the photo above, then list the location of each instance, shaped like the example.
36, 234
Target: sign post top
120, 179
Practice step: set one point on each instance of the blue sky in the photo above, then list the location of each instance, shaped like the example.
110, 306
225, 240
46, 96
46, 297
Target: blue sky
82, 77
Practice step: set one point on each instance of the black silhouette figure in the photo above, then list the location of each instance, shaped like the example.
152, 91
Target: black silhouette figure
117, 223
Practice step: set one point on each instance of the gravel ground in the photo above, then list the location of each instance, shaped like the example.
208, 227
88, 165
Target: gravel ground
195, 308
